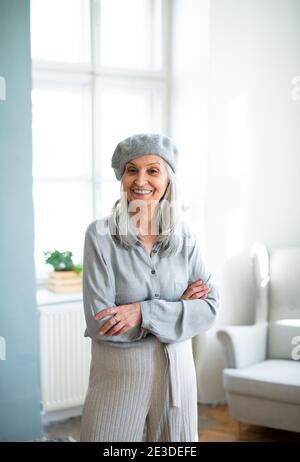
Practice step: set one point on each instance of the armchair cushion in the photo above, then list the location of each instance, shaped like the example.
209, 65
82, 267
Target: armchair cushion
281, 338
277, 380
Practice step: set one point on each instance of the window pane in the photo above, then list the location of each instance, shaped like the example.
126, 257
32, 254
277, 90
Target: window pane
107, 193
61, 132
62, 213
130, 34
60, 30
123, 112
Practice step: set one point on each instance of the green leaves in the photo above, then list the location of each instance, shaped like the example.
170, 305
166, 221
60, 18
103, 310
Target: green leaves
62, 261
78, 268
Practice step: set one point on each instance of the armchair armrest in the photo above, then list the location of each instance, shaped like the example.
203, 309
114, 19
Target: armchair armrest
243, 345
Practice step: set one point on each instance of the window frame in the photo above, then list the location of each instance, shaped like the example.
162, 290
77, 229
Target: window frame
46, 73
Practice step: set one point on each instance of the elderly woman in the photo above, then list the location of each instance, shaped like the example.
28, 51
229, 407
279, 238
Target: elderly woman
146, 293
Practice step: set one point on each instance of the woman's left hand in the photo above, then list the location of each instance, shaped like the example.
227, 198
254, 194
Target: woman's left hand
128, 316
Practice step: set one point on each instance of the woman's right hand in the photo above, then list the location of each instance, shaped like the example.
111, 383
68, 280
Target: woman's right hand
197, 289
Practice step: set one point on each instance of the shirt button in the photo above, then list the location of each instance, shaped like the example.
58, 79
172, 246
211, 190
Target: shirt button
153, 271
154, 251
156, 295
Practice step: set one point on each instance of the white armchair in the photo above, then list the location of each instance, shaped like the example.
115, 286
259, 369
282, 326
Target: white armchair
262, 361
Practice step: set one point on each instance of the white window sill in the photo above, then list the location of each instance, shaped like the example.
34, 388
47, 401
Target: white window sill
46, 297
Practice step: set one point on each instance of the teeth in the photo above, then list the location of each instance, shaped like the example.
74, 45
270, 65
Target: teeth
142, 191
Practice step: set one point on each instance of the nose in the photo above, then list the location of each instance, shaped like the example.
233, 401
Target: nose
141, 179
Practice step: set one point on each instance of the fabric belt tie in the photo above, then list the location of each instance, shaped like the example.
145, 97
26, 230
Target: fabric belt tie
172, 358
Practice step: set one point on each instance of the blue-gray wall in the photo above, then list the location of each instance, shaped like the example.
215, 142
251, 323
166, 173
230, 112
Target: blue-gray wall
19, 373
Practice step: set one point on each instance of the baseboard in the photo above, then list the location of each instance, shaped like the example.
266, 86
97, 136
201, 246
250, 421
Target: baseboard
63, 414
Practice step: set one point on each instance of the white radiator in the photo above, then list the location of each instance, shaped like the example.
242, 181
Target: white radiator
65, 356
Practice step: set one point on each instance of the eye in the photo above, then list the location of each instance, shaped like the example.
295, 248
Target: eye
130, 170
153, 170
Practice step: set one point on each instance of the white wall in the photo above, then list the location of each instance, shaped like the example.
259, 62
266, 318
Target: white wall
246, 120
189, 101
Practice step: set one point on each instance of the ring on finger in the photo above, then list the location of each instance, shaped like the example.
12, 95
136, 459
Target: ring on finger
116, 319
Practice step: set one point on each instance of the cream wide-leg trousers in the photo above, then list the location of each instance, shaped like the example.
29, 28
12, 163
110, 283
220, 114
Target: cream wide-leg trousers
147, 392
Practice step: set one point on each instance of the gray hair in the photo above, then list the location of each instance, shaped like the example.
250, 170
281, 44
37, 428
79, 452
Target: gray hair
167, 219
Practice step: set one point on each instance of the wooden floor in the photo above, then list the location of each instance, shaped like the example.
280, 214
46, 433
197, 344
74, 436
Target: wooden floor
215, 425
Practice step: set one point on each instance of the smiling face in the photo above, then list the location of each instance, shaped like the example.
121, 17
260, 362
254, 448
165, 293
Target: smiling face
145, 178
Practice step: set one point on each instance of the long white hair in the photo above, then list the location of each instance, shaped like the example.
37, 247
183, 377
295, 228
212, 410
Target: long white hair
167, 219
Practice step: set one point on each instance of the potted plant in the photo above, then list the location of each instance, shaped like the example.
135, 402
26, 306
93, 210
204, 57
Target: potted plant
66, 277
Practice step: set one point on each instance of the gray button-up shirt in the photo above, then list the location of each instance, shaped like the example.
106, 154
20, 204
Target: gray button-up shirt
114, 275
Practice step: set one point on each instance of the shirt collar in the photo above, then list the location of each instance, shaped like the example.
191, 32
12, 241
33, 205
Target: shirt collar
156, 246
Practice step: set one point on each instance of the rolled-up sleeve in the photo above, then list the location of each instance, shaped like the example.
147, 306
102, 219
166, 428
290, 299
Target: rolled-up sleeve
177, 321
99, 292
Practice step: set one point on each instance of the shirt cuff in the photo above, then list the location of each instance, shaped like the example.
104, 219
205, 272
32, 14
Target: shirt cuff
146, 312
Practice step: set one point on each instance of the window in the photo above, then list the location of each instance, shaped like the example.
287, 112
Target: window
132, 37
60, 31
100, 73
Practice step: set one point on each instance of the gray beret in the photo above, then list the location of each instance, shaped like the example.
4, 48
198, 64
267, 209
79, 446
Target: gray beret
141, 145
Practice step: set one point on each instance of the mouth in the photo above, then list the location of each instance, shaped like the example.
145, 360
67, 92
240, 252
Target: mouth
141, 192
